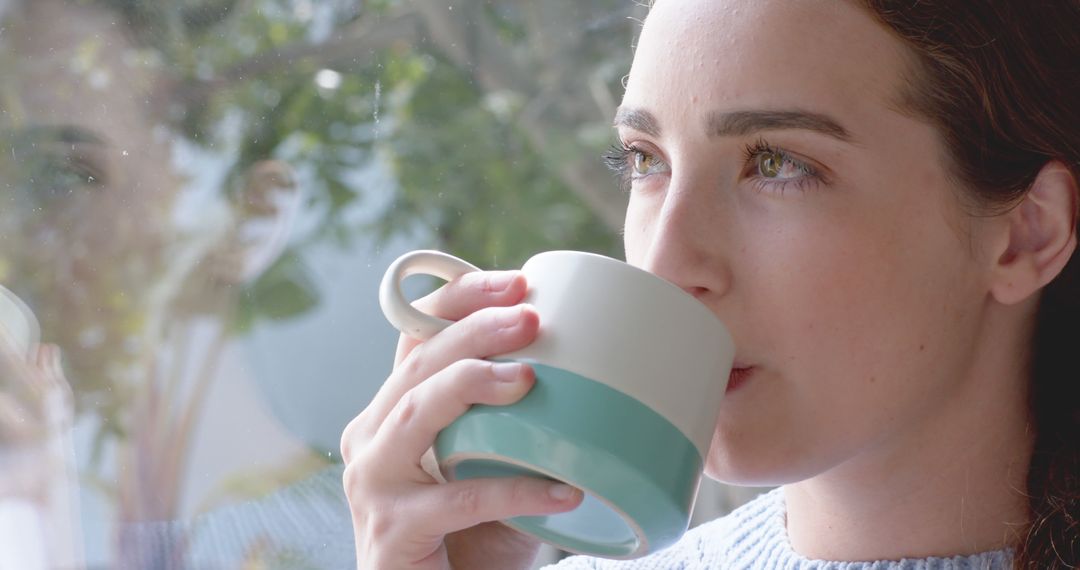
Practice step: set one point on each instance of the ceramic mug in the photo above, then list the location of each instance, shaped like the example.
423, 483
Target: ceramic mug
18, 322
630, 370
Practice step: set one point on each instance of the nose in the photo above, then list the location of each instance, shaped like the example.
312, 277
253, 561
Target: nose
688, 239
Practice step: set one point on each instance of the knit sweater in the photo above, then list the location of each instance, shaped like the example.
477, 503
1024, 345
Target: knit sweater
307, 526
754, 537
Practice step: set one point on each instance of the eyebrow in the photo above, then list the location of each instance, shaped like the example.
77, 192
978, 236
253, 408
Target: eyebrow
741, 123
637, 119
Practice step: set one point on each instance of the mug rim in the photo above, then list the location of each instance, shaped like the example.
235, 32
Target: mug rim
626, 267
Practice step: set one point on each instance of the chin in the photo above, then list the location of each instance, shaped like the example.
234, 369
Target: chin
752, 468
748, 478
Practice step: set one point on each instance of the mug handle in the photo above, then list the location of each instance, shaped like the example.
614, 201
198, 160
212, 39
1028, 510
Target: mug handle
406, 318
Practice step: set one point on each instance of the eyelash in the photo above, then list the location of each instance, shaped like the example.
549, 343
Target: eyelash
617, 159
811, 176
619, 156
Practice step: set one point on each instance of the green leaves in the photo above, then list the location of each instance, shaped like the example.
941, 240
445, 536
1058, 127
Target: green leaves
285, 291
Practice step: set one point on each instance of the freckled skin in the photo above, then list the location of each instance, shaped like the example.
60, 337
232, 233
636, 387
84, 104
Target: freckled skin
820, 288
878, 352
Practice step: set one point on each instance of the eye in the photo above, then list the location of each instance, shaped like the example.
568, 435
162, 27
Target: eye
774, 164
60, 173
644, 163
632, 163
56, 162
771, 168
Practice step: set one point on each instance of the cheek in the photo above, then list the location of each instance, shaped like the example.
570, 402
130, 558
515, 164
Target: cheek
855, 335
850, 281
637, 229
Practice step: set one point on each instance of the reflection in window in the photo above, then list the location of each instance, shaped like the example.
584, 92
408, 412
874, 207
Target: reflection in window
198, 198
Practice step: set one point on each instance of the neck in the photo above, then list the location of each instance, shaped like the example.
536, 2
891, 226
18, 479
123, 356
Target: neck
952, 484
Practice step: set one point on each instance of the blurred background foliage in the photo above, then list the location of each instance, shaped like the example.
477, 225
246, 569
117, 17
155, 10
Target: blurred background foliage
491, 115
490, 118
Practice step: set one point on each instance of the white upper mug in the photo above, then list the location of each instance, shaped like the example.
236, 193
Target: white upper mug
18, 322
630, 371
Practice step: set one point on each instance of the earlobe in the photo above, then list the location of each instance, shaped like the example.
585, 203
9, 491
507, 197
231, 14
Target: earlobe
1041, 236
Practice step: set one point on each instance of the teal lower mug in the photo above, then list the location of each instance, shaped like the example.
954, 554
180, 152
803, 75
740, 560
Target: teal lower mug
638, 471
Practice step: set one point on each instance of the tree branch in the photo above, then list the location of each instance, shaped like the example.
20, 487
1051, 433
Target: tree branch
491, 63
467, 38
355, 47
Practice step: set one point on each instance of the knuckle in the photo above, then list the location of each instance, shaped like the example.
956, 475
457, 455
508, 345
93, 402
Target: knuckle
355, 434
466, 367
345, 445
466, 500
411, 366
483, 322
359, 477
520, 492
379, 522
375, 530
485, 282
470, 377
407, 408
354, 481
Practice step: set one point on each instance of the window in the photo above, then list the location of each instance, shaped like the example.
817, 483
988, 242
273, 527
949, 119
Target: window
199, 198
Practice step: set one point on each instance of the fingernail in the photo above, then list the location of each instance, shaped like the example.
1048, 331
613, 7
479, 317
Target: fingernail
498, 281
561, 492
507, 371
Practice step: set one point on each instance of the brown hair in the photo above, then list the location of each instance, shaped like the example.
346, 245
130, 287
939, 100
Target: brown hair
1000, 79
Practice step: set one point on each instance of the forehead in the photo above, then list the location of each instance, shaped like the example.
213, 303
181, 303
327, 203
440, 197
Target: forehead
825, 56
76, 65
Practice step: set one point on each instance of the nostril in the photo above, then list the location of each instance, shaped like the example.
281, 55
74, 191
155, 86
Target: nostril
697, 292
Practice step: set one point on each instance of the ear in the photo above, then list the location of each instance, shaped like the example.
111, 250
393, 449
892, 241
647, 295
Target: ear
1041, 236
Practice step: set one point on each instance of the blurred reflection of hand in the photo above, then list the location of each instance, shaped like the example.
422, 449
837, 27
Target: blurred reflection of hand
38, 490
36, 402
264, 216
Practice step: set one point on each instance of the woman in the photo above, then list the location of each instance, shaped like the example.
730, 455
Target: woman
880, 201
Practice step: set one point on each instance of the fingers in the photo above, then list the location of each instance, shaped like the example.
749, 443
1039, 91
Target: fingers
17, 422
59, 401
18, 372
400, 515
424, 411
465, 504
485, 333
46, 359
430, 512
466, 295
472, 292
49, 361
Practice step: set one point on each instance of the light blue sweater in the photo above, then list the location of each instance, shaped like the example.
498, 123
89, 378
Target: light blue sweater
307, 526
754, 537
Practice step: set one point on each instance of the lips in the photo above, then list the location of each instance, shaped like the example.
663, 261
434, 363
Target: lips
740, 374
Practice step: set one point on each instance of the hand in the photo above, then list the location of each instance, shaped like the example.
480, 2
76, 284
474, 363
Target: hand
36, 403
36, 448
403, 518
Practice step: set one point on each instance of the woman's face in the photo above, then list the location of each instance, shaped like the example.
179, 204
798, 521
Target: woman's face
776, 177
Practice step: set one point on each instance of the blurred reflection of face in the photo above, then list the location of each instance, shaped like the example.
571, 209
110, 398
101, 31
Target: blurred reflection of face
94, 180
774, 178
90, 92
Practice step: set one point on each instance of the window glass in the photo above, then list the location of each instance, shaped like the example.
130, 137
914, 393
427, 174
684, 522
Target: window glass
198, 200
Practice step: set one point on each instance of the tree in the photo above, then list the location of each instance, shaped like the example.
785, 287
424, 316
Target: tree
491, 116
